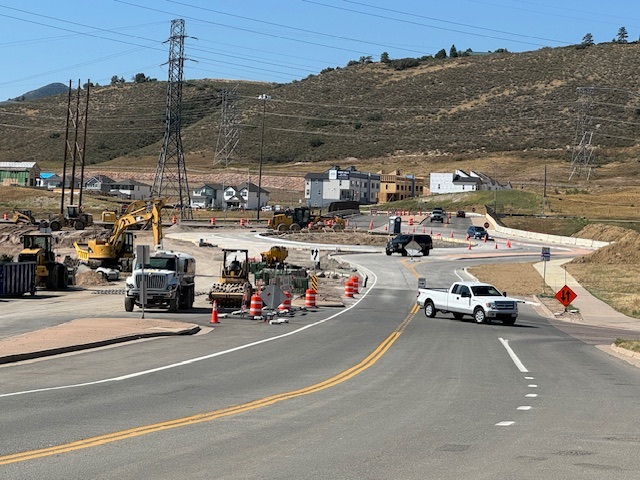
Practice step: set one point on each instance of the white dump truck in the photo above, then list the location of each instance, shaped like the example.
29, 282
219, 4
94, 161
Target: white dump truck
170, 281
481, 301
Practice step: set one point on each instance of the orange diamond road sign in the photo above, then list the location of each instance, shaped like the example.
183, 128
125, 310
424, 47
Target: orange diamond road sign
565, 295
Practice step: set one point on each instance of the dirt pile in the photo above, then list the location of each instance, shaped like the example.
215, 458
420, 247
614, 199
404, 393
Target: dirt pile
625, 248
90, 279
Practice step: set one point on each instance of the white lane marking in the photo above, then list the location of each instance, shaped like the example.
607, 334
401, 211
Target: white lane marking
531, 395
504, 424
197, 359
532, 386
528, 378
524, 408
513, 356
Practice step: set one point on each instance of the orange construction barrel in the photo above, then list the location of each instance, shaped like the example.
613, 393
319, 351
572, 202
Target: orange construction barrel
255, 309
213, 220
348, 289
310, 298
354, 281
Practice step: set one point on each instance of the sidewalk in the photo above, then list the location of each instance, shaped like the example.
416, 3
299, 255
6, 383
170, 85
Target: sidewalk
86, 333
593, 311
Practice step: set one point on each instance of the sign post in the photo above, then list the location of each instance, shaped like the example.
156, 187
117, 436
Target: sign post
315, 257
545, 255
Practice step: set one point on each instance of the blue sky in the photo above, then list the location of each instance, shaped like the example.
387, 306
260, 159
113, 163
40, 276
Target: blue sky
46, 41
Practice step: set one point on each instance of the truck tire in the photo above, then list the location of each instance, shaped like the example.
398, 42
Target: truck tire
458, 315
55, 225
129, 302
174, 302
294, 227
388, 252
63, 277
429, 309
51, 283
425, 252
403, 253
509, 321
282, 227
479, 315
78, 225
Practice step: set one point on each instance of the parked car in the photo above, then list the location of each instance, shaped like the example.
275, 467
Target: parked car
267, 208
461, 214
477, 232
398, 243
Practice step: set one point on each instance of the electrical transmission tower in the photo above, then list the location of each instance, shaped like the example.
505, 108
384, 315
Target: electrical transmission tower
228, 133
583, 150
74, 150
171, 174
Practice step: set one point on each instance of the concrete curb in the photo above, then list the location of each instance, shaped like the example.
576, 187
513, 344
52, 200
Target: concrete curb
86, 346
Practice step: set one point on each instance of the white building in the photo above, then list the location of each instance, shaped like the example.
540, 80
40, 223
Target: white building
336, 185
461, 181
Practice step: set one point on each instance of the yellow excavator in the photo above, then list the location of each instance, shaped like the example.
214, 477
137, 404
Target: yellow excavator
118, 250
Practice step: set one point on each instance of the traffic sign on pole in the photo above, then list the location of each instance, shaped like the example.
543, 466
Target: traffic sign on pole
565, 295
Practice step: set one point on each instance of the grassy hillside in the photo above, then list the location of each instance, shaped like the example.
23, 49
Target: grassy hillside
524, 104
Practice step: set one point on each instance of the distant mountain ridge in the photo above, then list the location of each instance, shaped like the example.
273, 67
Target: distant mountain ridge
46, 91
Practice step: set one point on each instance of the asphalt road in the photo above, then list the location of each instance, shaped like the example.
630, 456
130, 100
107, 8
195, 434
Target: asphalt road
377, 391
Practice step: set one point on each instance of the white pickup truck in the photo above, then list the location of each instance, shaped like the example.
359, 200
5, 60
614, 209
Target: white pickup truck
480, 300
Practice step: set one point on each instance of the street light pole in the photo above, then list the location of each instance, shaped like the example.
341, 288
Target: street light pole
264, 99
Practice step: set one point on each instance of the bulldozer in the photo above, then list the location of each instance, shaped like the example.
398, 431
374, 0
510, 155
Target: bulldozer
117, 251
38, 247
302, 217
73, 217
234, 289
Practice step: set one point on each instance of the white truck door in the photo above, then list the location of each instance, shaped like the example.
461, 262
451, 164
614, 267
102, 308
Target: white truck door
460, 301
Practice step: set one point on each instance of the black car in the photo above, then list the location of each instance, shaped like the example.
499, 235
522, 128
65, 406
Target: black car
477, 232
398, 243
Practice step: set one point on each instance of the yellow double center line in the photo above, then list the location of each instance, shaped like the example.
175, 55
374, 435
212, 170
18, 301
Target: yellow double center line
207, 417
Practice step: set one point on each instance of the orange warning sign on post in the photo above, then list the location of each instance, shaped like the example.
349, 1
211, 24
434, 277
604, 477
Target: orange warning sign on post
565, 295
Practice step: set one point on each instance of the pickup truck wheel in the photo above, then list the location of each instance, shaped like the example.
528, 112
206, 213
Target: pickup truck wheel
404, 252
429, 309
458, 316
425, 252
128, 304
479, 316
509, 321
387, 252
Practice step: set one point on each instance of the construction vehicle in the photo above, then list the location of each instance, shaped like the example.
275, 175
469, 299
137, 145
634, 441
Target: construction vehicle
38, 248
73, 217
117, 250
169, 281
275, 256
303, 217
24, 216
234, 289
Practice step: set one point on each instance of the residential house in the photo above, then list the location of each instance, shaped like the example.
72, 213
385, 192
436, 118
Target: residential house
49, 180
130, 189
244, 196
334, 185
461, 181
99, 184
208, 195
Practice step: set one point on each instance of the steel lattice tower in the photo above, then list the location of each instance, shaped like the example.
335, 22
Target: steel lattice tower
228, 136
583, 150
171, 173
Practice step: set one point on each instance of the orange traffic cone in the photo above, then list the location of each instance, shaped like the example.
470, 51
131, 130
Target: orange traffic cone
467, 237
469, 247
214, 312
371, 225
508, 243
496, 247
451, 234
485, 238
